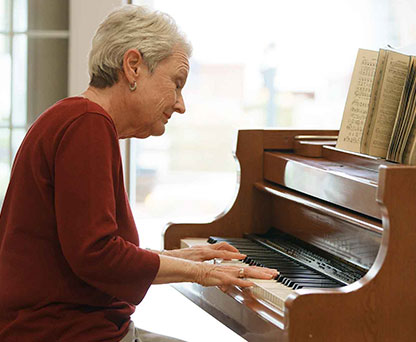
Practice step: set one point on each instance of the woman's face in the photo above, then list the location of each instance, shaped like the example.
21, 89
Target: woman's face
158, 96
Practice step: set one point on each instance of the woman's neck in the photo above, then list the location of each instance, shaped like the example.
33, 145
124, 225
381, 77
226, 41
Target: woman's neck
109, 99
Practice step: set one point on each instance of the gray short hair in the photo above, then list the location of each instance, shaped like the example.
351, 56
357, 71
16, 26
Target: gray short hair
153, 33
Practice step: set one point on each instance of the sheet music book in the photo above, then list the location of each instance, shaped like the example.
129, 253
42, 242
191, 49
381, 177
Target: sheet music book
379, 115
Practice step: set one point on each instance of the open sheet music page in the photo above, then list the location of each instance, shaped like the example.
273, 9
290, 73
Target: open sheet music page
356, 107
395, 73
373, 103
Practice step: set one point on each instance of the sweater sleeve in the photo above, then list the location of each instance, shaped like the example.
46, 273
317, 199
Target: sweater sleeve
87, 169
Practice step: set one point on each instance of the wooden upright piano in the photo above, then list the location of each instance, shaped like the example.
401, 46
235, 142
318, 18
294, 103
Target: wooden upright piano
350, 212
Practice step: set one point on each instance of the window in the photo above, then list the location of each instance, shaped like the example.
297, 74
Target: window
33, 60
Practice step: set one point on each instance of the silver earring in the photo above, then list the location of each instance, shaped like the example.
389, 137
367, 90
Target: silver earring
133, 86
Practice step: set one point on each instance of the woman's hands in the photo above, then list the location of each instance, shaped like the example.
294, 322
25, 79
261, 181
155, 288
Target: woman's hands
220, 250
187, 264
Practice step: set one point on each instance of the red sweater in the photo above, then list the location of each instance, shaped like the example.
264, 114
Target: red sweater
70, 265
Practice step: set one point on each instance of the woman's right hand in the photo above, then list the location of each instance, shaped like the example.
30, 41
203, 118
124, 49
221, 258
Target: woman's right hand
227, 275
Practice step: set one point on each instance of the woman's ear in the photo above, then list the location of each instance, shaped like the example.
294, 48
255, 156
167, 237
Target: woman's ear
132, 64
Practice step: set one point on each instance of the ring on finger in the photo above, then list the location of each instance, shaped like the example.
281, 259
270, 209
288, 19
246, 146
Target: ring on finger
241, 273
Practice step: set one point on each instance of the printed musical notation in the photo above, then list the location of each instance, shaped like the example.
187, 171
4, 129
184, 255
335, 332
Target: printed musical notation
356, 108
395, 75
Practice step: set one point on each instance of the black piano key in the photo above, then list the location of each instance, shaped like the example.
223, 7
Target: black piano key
319, 286
294, 270
211, 240
287, 282
294, 275
311, 281
278, 277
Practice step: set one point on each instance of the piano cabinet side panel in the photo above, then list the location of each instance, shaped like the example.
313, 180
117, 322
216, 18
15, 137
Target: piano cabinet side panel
358, 314
382, 305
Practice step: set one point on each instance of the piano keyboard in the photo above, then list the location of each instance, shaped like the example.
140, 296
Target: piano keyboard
300, 266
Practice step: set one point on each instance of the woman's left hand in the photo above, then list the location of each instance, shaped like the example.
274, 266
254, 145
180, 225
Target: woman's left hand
221, 250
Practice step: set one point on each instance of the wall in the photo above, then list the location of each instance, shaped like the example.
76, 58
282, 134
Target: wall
84, 16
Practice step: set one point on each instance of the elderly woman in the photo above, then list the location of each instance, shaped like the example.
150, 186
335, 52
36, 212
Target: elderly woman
71, 268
